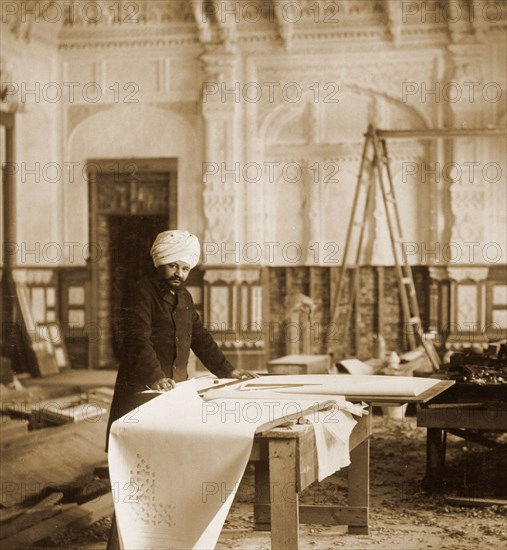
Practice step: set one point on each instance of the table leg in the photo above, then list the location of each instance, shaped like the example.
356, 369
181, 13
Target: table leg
284, 494
359, 483
435, 459
261, 520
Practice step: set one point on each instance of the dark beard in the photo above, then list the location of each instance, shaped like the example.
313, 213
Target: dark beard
167, 284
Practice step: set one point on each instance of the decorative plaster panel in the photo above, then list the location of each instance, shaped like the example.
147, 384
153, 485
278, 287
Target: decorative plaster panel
81, 71
183, 74
384, 76
219, 306
145, 74
467, 312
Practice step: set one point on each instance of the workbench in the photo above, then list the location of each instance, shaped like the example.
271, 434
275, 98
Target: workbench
466, 410
286, 463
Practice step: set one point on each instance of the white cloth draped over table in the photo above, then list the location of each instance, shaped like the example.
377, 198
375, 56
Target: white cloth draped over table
176, 462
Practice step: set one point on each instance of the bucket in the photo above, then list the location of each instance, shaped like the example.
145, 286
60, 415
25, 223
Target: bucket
395, 413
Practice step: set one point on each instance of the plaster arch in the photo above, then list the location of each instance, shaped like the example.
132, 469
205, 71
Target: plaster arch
314, 135
132, 131
280, 116
285, 113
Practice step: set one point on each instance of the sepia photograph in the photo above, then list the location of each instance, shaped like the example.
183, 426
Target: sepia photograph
253, 274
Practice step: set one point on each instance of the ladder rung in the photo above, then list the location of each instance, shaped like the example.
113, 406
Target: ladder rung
414, 320
406, 280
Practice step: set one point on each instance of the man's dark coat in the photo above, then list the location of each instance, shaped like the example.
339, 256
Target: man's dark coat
159, 328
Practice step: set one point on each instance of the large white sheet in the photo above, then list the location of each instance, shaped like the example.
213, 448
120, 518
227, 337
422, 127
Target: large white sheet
176, 463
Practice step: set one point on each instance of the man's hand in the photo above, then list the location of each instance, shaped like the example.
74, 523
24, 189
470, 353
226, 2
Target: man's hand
241, 374
164, 384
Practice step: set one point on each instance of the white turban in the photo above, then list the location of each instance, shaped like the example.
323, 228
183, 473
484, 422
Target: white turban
176, 245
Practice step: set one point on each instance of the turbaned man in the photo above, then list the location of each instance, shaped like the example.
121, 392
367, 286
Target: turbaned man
161, 326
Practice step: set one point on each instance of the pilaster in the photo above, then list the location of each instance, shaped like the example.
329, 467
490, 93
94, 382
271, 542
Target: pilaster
221, 177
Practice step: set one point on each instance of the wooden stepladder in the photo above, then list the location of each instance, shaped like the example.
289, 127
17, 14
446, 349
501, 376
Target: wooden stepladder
375, 170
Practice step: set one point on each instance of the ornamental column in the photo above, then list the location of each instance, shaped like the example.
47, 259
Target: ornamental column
221, 171
468, 189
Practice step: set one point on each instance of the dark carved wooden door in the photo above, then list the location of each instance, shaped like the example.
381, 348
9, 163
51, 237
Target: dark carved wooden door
130, 202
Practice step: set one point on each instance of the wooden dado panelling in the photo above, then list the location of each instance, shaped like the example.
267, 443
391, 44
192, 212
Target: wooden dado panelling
75, 315
469, 304
378, 311
461, 305
233, 313
56, 298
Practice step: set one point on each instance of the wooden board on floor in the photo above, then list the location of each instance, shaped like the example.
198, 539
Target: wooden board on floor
50, 456
77, 516
47, 508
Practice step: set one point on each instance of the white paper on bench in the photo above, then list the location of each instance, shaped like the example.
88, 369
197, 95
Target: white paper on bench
346, 384
176, 463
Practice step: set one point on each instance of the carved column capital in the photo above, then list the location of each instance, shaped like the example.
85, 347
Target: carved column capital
460, 274
220, 90
218, 64
438, 273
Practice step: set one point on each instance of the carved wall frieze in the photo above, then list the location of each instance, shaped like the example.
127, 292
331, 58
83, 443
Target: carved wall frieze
231, 23
108, 41
124, 13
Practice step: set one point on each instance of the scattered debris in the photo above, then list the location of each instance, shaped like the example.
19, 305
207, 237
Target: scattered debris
54, 468
468, 501
478, 366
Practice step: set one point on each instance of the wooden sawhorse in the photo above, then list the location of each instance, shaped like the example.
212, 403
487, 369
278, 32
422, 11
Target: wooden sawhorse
286, 463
